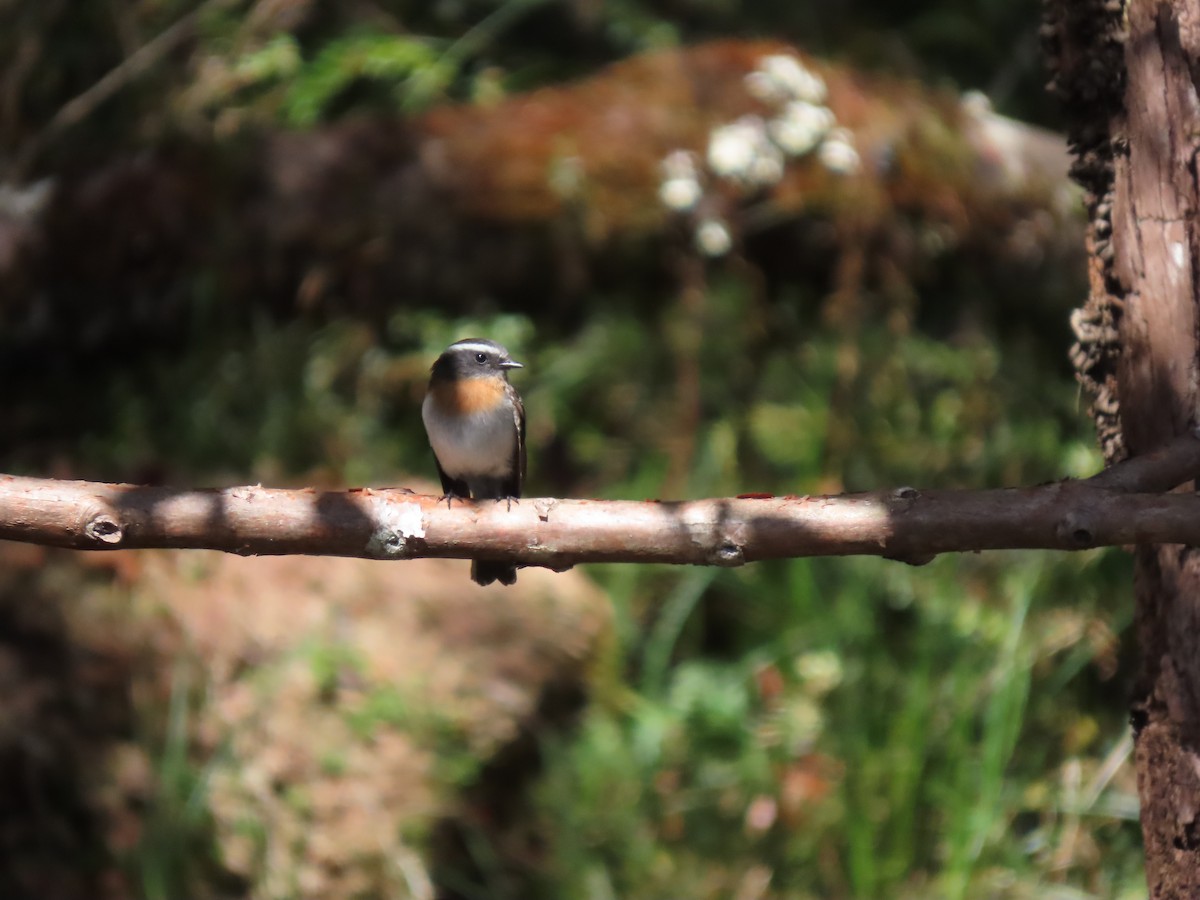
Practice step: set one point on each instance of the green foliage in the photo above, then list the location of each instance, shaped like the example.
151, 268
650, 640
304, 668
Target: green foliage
418, 72
176, 844
940, 704
278, 59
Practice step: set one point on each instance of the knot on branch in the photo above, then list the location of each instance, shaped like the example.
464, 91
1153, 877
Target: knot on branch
1074, 529
102, 526
729, 553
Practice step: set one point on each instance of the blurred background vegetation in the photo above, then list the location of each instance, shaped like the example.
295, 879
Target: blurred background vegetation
814, 728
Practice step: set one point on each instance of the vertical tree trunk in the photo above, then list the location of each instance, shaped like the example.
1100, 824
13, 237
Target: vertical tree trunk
1129, 73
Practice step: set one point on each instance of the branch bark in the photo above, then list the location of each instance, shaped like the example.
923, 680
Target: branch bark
905, 524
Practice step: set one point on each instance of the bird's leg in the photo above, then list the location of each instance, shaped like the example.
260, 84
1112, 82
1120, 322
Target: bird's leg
449, 496
510, 500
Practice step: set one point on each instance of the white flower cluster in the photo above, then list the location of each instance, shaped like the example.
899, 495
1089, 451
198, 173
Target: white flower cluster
713, 237
743, 151
803, 123
753, 151
838, 154
680, 191
800, 126
680, 188
781, 77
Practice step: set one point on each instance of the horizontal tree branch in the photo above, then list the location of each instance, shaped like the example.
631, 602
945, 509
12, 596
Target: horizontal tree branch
395, 523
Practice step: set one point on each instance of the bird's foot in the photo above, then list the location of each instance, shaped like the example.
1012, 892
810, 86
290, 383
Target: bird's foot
509, 501
449, 496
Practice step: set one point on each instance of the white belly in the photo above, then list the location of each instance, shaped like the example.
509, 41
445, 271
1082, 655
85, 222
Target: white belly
480, 444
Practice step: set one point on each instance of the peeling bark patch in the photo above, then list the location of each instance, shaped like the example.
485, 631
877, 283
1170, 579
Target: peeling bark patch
729, 554
1189, 838
1139, 717
1083, 44
395, 525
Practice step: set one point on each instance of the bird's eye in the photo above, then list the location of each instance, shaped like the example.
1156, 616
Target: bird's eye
481, 358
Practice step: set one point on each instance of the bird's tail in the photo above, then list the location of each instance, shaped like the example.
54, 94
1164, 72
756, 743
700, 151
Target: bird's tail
484, 571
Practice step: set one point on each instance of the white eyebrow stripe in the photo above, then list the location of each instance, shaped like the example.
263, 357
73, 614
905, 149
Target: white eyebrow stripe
477, 346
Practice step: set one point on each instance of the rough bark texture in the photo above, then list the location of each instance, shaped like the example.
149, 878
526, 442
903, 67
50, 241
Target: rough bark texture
1084, 48
1136, 127
1155, 216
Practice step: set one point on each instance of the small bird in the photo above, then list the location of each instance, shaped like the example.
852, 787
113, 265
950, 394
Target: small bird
476, 426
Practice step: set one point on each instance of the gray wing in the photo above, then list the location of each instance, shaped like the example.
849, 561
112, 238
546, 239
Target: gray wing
515, 482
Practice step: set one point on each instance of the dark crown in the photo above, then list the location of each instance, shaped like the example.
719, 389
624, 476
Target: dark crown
473, 358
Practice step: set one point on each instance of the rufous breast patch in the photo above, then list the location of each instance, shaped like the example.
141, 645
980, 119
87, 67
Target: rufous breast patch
468, 396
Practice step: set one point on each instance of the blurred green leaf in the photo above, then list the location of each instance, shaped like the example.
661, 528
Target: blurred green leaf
414, 69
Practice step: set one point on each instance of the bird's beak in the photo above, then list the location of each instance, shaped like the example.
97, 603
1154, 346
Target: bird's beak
511, 364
